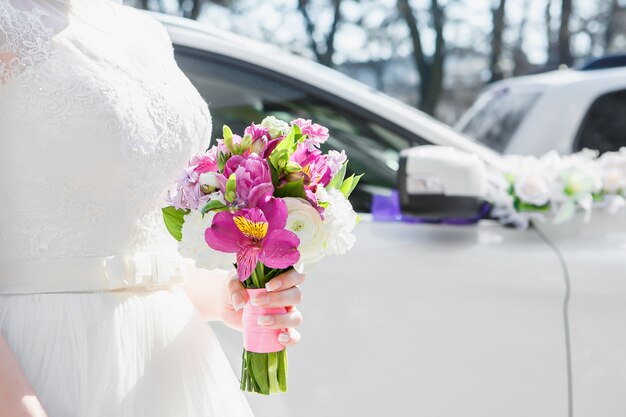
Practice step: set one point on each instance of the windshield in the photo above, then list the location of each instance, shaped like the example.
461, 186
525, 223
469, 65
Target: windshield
495, 116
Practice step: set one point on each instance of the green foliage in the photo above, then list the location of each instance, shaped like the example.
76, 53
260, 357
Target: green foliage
213, 205
349, 184
291, 189
280, 156
521, 206
231, 187
222, 158
338, 178
174, 220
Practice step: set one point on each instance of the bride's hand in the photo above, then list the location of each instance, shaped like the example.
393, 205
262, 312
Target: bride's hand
283, 291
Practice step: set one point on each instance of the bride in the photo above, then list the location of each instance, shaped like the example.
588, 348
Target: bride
99, 315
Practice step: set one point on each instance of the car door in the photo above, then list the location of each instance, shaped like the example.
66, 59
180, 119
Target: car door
418, 319
595, 255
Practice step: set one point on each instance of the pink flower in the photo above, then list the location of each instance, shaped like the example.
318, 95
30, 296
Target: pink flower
206, 162
253, 179
314, 165
255, 235
316, 134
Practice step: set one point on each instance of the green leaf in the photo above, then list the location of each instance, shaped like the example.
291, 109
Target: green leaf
174, 220
288, 142
297, 134
526, 207
291, 189
350, 184
213, 205
338, 178
346, 185
231, 184
222, 158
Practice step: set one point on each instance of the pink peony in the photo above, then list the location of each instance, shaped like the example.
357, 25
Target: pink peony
253, 180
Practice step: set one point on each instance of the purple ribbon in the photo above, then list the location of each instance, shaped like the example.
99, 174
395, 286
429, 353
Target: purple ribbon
386, 208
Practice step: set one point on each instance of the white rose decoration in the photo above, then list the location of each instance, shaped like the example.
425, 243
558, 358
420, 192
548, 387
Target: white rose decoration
306, 223
194, 247
614, 181
533, 189
613, 166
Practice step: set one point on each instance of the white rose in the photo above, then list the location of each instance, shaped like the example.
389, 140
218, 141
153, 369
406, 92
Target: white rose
532, 189
306, 223
613, 165
275, 126
614, 181
194, 247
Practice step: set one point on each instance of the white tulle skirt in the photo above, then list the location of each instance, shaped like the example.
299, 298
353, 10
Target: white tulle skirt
130, 353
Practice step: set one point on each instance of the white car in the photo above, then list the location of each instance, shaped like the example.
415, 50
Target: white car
567, 110
425, 319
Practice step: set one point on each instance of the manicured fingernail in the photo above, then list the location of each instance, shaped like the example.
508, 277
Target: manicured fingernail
261, 300
273, 285
283, 338
265, 320
237, 300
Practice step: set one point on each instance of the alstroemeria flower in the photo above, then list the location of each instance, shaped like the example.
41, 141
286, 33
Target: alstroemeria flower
255, 235
316, 134
253, 180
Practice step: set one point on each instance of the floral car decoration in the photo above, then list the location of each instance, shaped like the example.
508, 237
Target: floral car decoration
553, 188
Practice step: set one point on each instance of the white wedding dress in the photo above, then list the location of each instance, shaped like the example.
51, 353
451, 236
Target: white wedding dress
96, 119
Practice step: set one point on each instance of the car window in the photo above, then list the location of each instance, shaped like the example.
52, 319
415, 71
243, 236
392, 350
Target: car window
496, 115
604, 126
238, 94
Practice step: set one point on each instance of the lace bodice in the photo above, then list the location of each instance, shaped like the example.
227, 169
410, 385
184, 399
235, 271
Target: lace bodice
95, 121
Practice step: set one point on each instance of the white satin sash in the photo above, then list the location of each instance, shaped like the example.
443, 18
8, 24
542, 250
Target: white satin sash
141, 269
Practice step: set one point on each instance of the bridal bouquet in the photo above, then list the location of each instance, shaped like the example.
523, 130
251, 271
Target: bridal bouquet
554, 187
263, 202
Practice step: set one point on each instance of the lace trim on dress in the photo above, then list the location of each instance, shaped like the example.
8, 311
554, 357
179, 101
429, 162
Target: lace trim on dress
24, 38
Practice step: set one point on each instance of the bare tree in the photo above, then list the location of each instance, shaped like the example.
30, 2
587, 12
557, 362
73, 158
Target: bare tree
565, 53
184, 10
323, 53
430, 68
496, 42
521, 64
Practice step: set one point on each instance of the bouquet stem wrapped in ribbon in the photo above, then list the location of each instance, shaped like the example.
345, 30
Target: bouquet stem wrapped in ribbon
264, 361
263, 202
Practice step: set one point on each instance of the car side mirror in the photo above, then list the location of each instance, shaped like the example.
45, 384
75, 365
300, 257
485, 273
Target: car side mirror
438, 182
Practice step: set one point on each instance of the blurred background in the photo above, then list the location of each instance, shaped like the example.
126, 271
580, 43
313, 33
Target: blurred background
434, 55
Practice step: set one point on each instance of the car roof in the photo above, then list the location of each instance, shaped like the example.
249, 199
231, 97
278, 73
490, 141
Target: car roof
565, 78
201, 36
